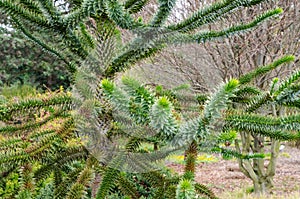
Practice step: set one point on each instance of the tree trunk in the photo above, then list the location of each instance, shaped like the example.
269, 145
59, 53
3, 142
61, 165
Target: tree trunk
261, 177
96, 184
260, 188
191, 157
155, 146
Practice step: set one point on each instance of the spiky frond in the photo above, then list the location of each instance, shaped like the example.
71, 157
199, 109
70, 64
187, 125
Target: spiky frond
9, 109
265, 69
10, 129
280, 128
162, 119
228, 153
82, 12
141, 100
78, 189
258, 102
185, 190
207, 36
117, 97
203, 190
219, 101
216, 104
27, 184
65, 185
245, 94
49, 10
119, 15
164, 10
289, 97
132, 56
288, 82
134, 6
290, 123
18, 9
211, 13
188, 132
108, 181
127, 187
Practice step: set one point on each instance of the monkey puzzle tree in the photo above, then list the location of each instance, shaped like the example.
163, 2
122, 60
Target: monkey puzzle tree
255, 126
201, 129
87, 38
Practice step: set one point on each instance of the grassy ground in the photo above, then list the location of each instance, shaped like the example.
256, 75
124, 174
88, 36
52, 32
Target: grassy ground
225, 179
242, 194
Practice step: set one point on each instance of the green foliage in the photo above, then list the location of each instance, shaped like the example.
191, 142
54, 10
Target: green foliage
228, 136
228, 154
164, 10
79, 189
288, 82
120, 16
283, 128
21, 91
141, 105
24, 63
46, 192
201, 189
162, 118
185, 190
207, 36
211, 13
108, 182
263, 115
47, 16
44, 140
9, 185
9, 109
218, 101
42, 130
134, 6
264, 69
214, 108
245, 94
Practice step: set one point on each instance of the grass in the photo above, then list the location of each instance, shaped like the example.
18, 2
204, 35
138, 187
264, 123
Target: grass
21, 91
243, 193
179, 159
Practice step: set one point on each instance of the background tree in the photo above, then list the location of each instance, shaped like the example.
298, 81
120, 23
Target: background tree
25, 63
203, 65
233, 57
253, 138
246, 52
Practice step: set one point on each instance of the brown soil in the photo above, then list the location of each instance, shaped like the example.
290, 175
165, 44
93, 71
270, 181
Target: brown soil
225, 175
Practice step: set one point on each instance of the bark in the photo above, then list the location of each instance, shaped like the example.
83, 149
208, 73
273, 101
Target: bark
95, 185
155, 146
262, 176
191, 157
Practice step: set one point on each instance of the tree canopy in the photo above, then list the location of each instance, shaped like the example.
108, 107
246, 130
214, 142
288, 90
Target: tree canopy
87, 142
